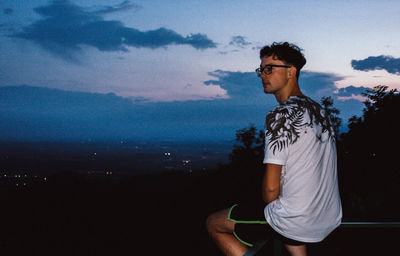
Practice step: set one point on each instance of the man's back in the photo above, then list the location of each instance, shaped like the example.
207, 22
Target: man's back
299, 137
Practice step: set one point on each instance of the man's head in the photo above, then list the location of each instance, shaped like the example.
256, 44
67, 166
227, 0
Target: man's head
290, 54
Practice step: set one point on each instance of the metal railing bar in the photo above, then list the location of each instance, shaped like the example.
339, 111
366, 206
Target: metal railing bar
370, 225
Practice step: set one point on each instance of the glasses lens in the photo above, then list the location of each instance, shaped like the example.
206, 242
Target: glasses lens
268, 69
258, 71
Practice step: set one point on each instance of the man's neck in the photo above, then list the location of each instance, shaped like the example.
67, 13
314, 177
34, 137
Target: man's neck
293, 90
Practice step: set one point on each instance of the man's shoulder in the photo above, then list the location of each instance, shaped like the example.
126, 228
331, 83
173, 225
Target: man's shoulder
292, 106
297, 112
302, 102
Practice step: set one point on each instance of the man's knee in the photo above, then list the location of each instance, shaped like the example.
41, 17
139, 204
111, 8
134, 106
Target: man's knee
299, 250
211, 223
218, 222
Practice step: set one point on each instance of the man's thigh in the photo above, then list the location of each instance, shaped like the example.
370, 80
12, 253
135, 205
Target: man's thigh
251, 225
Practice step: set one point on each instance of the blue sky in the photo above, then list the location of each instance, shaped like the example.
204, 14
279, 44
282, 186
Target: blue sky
184, 51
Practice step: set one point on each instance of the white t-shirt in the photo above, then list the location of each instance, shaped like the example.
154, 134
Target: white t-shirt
300, 138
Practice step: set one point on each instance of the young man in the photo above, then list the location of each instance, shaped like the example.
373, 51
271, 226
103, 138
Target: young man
301, 202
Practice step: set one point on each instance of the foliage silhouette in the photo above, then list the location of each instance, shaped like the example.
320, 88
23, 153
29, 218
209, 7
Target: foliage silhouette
249, 146
369, 173
332, 113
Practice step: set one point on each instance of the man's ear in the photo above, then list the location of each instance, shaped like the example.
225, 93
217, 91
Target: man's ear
292, 71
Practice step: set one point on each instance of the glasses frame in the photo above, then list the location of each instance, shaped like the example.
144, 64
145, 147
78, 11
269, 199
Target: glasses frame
267, 69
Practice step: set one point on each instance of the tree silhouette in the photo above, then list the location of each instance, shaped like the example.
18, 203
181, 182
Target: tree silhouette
369, 173
249, 146
332, 113
242, 176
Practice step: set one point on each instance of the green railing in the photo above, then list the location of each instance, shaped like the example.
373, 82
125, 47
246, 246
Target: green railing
277, 245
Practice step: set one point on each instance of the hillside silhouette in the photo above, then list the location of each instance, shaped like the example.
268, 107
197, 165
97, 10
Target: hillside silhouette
71, 213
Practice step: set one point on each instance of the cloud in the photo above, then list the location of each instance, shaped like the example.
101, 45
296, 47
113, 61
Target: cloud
226, 52
239, 85
239, 41
353, 97
388, 63
65, 27
246, 86
124, 6
351, 93
236, 44
41, 113
245, 92
318, 84
351, 90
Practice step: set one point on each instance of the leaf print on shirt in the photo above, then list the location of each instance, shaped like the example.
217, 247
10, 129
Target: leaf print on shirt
284, 123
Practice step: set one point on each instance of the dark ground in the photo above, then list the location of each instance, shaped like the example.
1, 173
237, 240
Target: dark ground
73, 214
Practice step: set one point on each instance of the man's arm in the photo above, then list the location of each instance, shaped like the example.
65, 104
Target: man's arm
271, 182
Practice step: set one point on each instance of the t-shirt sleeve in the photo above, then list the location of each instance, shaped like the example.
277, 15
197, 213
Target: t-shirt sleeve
277, 137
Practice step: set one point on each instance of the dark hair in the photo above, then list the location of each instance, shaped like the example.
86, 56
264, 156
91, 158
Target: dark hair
288, 53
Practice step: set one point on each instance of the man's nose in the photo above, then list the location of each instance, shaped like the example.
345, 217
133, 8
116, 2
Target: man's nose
263, 75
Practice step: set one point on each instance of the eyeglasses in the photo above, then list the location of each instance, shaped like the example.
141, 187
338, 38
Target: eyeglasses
267, 69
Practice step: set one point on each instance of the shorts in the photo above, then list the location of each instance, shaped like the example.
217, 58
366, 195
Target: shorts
251, 226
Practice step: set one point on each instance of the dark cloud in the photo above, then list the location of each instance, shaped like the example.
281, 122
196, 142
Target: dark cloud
388, 63
318, 84
239, 85
239, 41
65, 27
246, 86
236, 44
226, 52
351, 90
41, 113
348, 99
8, 11
126, 5
247, 97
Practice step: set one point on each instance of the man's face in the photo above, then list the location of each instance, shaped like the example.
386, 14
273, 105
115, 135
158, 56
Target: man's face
278, 79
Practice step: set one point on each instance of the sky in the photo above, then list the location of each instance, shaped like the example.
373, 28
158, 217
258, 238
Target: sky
188, 54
